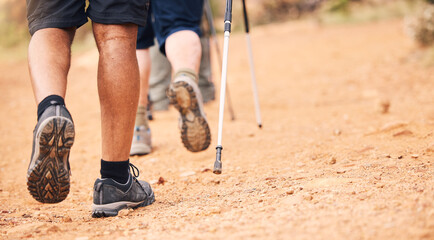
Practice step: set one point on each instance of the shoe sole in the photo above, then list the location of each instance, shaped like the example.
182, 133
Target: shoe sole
195, 132
48, 179
112, 209
140, 150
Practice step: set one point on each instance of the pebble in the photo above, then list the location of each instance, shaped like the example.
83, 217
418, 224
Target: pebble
308, 197
384, 106
393, 125
332, 160
403, 133
161, 181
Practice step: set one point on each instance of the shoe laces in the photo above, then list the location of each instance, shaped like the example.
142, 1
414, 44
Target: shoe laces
134, 170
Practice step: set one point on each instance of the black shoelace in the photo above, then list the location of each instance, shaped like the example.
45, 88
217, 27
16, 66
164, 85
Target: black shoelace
134, 170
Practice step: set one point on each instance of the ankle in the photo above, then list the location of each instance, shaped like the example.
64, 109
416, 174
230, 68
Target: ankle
141, 117
118, 171
49, 101
187, 72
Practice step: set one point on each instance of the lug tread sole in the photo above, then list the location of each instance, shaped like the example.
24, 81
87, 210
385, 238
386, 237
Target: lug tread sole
48, 180
195, 132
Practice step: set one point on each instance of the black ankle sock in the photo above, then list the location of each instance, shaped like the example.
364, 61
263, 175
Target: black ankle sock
117, 171
48, 101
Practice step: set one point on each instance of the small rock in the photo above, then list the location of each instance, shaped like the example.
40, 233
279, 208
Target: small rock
414, 156
393, 125
403, 133
123, 213
290, 192
337, 132
25, 215
308, 197
400, 157
187, 174
332, 161
341, 171
215, 182
383, 106
161, 181
206, 170
67, 219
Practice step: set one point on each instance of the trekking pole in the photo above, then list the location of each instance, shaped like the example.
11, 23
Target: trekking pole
208, 13
252, 67
228, 19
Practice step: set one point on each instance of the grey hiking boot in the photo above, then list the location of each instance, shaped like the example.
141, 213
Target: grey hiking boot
184, 94
141, 141
109, 196
49, 171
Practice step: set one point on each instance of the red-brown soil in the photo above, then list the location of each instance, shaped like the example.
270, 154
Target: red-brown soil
332, 161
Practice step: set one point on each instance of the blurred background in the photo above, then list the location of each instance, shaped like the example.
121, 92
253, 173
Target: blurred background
418, 14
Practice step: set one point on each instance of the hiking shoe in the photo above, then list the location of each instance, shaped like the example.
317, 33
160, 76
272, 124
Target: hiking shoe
49, 171
184, 94
109, 196
141, 141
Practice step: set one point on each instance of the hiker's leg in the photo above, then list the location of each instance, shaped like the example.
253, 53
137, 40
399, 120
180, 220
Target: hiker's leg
118, 87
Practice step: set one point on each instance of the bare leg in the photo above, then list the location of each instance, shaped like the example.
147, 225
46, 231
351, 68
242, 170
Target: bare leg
49, 61
144, 61
183, 50
118, 87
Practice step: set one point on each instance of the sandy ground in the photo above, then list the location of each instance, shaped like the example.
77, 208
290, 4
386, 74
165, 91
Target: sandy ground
328, 164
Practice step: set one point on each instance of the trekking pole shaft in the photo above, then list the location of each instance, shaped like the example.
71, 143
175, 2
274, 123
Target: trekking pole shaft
228, 19
252, 66
223, 87
254, 85
218, 161
246, 19
208, 13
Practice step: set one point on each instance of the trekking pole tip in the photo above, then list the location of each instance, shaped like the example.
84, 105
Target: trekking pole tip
218, 161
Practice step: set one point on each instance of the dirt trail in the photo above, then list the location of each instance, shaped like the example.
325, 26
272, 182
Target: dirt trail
327, 164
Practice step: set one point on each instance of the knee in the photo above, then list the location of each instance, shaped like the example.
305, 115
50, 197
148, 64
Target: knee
115, 39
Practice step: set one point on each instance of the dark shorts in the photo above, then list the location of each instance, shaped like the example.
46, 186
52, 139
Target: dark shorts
168, 17
72, 13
